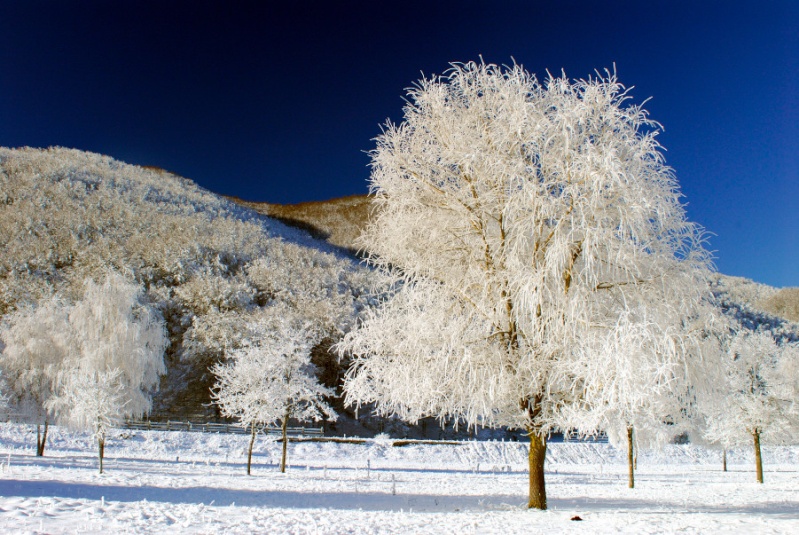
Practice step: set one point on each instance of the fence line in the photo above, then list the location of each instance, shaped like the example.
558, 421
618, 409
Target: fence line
572, 436
141, 425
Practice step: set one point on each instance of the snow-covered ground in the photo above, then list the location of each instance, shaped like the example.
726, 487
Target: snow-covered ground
158, 482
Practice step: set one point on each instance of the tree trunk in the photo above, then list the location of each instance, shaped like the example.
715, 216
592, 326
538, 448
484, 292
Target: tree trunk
630, 462
538, 454
41, 439
285, 439
758, 458
249, 451
724, 459
101, 444
40, 453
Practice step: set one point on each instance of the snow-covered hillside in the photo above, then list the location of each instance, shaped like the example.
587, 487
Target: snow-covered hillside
208, 265
754, 304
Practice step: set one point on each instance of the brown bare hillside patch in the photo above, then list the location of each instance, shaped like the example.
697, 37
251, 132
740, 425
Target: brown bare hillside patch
339, 221
784, 303
155, 168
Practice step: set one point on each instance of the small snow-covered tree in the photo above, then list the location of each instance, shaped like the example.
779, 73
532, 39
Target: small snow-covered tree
116, 358
759, 398
92, 400
34, 352
518, 220
271, 380
638, 380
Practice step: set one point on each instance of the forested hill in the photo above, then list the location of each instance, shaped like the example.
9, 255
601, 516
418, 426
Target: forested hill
208, 265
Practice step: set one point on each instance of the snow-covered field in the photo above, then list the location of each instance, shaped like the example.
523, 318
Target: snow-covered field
158, 482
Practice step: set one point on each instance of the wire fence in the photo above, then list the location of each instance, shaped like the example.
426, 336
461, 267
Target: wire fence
203, 427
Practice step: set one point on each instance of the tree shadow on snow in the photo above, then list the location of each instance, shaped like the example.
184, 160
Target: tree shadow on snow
370, 500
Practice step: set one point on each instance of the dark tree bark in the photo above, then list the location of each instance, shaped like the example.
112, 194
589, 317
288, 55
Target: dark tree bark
630, 461
41, 440
101, 444
724, 459
758, 458
538, 454
249, 450
44, 436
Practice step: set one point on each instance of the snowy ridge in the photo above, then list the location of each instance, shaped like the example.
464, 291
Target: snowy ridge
170, 194
758, 305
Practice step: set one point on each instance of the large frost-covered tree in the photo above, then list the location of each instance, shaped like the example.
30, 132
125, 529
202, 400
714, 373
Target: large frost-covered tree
758, 396
116, 358
520, 221
271, 379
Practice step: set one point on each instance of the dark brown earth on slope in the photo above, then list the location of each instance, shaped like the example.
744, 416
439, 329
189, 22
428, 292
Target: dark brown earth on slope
338, 221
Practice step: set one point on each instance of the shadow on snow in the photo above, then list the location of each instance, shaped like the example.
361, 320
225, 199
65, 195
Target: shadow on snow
348, 500
370, 500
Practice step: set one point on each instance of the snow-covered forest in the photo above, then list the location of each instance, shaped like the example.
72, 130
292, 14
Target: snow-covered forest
207, 268
529, 272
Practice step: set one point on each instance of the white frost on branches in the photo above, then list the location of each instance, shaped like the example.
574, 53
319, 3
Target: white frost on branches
93, 401
521, 222
116, 355
35, 350
759, 392
272, 377
640, 374
89, 364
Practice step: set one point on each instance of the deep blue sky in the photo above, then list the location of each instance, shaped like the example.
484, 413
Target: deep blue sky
275, 103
